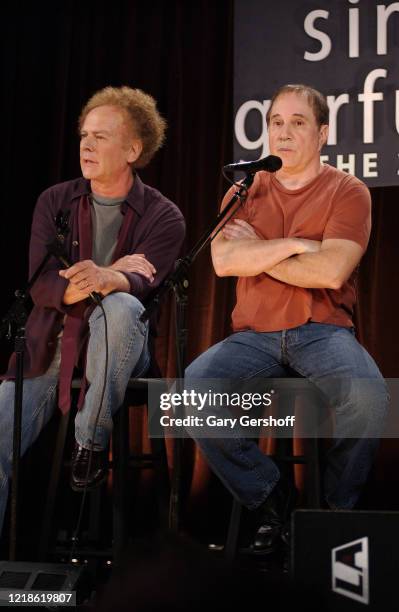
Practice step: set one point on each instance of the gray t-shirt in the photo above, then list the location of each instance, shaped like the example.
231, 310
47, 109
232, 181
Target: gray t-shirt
106, 218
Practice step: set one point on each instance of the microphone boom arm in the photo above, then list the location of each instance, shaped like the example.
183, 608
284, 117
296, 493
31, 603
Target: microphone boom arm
178, 280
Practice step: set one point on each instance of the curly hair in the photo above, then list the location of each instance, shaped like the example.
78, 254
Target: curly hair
316, 100
141, 112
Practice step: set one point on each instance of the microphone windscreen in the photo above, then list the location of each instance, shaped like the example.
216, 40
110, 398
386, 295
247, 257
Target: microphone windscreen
274, 163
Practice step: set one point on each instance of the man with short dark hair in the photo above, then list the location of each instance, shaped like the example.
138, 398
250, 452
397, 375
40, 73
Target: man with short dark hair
124, 239
295, 247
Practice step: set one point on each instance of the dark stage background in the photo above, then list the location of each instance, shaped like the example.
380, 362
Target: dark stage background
53, 57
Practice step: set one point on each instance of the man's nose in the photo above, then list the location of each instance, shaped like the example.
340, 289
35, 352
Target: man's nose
285, 132
87, 143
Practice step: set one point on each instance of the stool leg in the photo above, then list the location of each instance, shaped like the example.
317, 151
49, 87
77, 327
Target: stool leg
48, 515
313, 474
162, 482
120, 451
95, 512
230, 548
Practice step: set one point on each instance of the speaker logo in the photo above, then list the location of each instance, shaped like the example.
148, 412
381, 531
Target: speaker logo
350, 570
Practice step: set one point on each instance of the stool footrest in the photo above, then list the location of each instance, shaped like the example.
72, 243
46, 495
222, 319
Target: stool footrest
291, 458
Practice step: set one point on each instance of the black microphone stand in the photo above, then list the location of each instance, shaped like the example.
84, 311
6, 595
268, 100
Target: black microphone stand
178, 281
17, 317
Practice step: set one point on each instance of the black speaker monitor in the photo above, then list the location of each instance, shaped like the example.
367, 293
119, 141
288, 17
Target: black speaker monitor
352, 557
24, 576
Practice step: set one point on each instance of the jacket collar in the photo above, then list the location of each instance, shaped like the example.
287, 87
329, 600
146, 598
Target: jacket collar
134, 199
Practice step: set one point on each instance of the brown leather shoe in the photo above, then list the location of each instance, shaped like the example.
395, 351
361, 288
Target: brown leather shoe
98, 469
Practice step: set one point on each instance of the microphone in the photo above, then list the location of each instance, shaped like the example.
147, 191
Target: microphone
271, 163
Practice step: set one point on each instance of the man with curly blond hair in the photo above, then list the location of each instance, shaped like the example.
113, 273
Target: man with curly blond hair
124, 238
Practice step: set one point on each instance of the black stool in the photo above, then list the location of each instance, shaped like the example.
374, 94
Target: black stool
122, 460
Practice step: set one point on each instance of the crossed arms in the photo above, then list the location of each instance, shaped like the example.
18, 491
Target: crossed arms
236, 251
239, 251
85, 277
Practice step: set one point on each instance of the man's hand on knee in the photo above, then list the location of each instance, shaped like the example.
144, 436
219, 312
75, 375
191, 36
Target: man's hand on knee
86, 277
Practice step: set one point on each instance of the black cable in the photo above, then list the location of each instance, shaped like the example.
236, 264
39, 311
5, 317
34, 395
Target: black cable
242, 197
240, 185
82, 503
57, 248
179, 365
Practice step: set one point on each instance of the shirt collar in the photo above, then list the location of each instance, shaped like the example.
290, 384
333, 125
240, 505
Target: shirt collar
134, 199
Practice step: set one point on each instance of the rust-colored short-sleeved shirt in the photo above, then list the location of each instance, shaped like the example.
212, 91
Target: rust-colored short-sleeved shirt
333, 205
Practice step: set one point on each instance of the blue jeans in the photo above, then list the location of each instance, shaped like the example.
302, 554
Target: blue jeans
128, 356
323, 354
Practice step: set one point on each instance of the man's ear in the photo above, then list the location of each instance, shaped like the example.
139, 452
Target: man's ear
135, 149
323, 135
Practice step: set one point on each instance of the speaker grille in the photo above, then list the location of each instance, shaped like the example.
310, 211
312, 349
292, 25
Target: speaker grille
48, 582
13, 580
